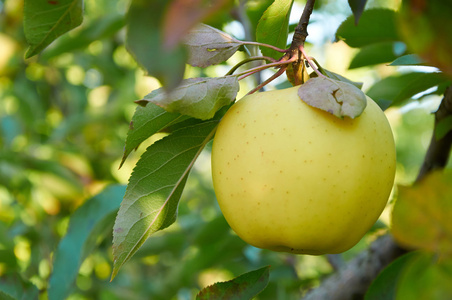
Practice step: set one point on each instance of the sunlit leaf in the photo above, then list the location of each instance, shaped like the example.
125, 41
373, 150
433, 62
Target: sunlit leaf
147, 121
425, 277
377, 25
384, 287
155, 186
145, 42
88, 225
273, 27
357, 7
336, 97
422, 214
199, 98
245, 286
209, 46
44, 21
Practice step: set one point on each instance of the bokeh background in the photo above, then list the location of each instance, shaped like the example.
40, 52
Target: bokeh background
64, 117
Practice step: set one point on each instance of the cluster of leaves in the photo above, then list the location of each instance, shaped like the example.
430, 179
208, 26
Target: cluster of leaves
152, 199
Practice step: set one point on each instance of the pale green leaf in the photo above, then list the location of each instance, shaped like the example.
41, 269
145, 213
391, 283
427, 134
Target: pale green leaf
209, 46
339, 98
155, 186
199, 98
273, 27
44, 21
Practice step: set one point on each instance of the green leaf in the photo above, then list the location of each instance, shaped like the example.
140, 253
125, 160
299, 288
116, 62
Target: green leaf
147, 121
443, 127
336, 76
209, 46
181, 16
357, 7
399, 88
13, 286
377, 25
145, 42
44, 21
245, 286
273, 27
426, 277
97, 29
408, 60
384, 287
375, 54
199, 98
88, 225
339, 98
155, 186
426, 27
422, 213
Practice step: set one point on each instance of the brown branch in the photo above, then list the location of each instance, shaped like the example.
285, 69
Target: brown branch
301, 31
439, 149
299, 37
353, 280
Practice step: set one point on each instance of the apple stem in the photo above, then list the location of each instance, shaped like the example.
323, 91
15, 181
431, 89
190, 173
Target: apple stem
309, 60
298, 40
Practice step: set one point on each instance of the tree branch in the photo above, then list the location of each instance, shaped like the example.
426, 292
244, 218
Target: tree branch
353, 280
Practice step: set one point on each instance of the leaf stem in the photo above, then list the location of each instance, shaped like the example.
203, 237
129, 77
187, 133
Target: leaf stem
263, 67
309, 60
270, 79
247, 60
263, 45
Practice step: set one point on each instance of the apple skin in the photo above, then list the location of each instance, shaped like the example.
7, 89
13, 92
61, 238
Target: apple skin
289, 177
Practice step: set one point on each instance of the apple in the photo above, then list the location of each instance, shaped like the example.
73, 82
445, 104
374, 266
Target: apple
290, 177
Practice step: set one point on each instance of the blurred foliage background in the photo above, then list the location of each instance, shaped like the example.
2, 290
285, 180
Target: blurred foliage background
64, 116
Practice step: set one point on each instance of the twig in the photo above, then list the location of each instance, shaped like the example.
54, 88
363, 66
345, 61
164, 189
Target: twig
298, 40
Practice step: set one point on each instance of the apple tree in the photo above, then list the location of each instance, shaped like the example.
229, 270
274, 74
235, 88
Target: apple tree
343, 61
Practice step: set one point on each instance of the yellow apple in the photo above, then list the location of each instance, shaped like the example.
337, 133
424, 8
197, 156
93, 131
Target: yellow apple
293, 178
